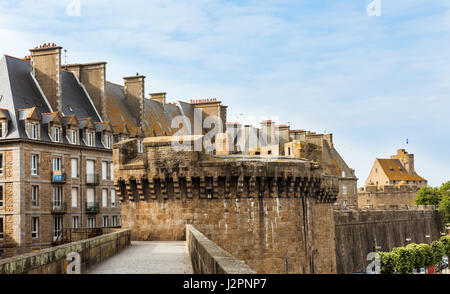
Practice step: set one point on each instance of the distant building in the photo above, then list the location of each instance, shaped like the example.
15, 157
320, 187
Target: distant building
392, 181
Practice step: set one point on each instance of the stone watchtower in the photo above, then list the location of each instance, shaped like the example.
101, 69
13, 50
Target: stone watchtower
406, 159
277, 216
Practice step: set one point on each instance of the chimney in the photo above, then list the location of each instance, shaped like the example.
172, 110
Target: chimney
158, 97
45, 67
93, 78
134, 94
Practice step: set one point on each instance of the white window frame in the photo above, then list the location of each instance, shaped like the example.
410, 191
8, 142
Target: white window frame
114, 221
35, 222
89, 139
91, 222
73, 137
75, 222
113, 198
140, 146
34, 131
34, 164
58, 196
58, 165
344, 189
56, 231
74, 200
105, 223
56, 134
108, 141
34, 196
105, 197
105, 170
72, 160
111, 171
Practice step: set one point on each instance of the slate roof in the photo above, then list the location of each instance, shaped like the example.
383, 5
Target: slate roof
20, 95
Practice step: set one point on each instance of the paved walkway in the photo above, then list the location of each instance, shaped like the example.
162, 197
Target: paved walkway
147, 258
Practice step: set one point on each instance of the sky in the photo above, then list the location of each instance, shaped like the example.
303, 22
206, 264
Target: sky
325, 66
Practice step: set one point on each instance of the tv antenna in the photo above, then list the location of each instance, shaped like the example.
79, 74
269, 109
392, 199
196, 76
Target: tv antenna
65, 58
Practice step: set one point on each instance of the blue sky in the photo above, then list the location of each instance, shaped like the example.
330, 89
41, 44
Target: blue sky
320, 65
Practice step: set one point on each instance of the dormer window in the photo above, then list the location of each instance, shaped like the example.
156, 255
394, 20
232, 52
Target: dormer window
56, 133
108, 141
34, 131
90, 139
140, 147
73, 136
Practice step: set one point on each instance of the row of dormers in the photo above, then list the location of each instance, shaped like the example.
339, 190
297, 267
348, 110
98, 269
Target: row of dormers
65, 129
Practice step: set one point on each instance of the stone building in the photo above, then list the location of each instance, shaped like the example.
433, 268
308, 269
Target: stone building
392, 181
279, 140
276, 215
57, 126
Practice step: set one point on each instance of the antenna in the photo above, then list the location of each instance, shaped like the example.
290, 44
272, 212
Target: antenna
65, 58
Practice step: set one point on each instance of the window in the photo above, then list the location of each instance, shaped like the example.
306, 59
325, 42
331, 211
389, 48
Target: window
73, 137
105, 221
2, 229
1, 196
56, 134
57, 196
34, 164
57, 227
74, 167
104, 170
1, 163
111, 171
108, 141
140, 147
34, 196
1, 130
344, 204
114, 222
74, 197
344, 189
34, 227
34, 131
105, 197
113, 198
57, 164
90, 141
343, 174
91, 222
75, 222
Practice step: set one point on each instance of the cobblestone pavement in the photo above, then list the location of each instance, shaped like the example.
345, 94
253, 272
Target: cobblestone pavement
147, 258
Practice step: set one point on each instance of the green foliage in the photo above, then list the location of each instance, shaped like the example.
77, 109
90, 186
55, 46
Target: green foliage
428, 256
438, 251
427, 196
444, 208
444, 190
405, 263
388, 262
446, 242
418, 255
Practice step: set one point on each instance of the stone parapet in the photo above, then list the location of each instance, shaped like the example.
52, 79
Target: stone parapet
209, 258
53, 260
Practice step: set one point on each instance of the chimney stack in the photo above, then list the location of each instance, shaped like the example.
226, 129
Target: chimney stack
93, 77
158, 97
45, 67
135, 93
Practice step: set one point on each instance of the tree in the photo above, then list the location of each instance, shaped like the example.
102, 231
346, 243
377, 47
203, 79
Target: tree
444, 190
446, 241
444, 209
438, 251
428, 254
404, 260
427, 196
388, 262
418, 255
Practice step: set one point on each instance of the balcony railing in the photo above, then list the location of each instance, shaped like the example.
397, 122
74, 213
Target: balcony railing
92, 207
92, 179
58, 177
59, 207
